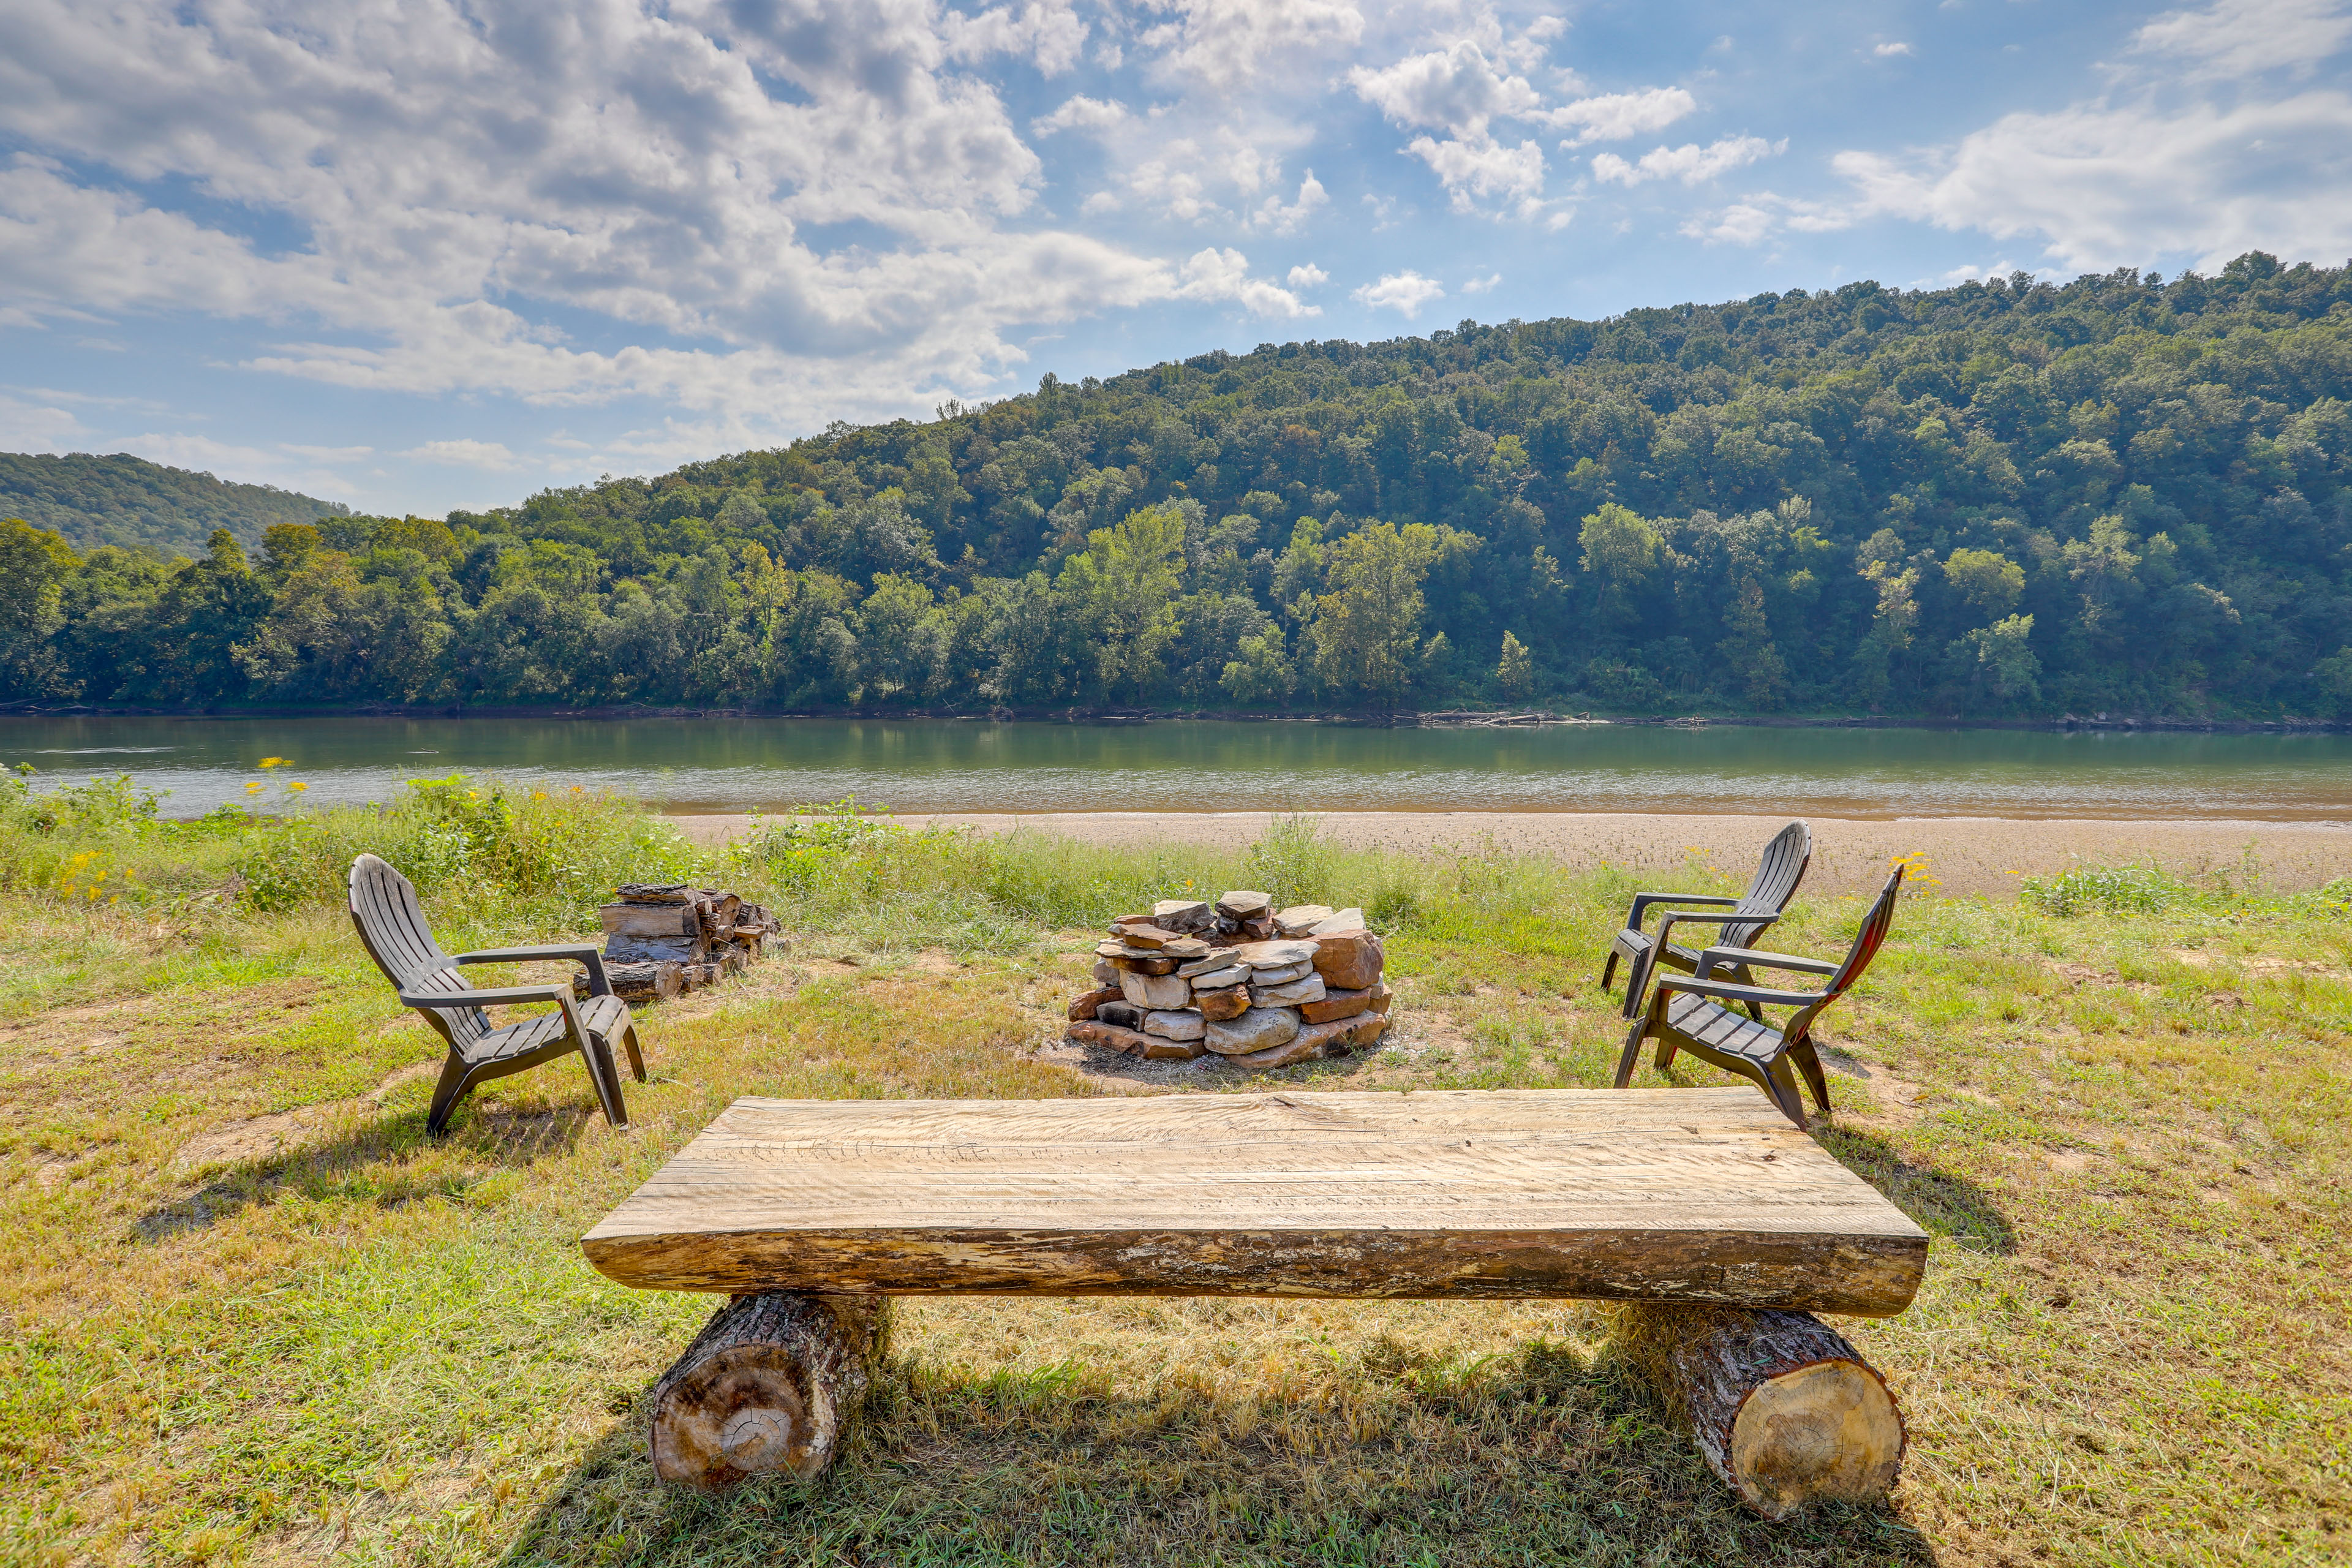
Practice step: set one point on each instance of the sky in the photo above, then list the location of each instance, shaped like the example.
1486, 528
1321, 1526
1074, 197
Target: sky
413, 255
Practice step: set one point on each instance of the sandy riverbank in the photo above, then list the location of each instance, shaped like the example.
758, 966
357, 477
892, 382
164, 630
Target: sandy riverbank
1969, 855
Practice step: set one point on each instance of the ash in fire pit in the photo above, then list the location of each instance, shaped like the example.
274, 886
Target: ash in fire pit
1259, 987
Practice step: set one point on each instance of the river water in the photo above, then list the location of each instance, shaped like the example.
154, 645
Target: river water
704, 765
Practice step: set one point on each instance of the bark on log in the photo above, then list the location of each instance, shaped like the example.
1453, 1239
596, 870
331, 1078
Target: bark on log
770, 1384
1782, 1406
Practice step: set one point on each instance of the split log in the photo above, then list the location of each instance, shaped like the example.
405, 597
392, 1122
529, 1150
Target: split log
637, 982
1782, 1406
770, 1384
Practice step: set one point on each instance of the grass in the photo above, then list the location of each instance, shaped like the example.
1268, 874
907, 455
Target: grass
248, 1313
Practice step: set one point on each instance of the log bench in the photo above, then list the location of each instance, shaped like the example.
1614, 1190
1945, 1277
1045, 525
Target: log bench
1718, 1224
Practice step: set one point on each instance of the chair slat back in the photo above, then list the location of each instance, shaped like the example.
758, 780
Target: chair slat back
391, 923
1778, 872
1869, 939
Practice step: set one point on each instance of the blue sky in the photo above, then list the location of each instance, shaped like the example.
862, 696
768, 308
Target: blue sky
415, 254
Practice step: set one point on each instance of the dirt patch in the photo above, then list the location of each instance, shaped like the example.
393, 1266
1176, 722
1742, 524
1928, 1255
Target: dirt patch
2254, 965
260, 1138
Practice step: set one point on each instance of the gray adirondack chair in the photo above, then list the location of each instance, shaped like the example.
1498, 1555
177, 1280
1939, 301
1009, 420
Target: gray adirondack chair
1689, 1015
392, 926
1744, 919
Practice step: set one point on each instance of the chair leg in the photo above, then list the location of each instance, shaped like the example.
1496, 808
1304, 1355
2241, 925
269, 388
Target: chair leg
636, 1056
1744, 976
607, 1079
1608, 969
1667, 1049
447, 1093
1632, 1052
1802, 1053
1782, 1087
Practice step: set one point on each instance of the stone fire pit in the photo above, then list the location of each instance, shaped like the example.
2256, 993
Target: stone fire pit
1238, 979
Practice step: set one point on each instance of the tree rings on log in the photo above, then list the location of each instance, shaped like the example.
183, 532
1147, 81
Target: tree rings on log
1783, 1408
767, 1386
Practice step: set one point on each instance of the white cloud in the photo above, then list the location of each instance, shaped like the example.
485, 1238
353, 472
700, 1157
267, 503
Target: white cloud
37, 426
1284, 219
1407, 293
1887, 51
1231, 41
1049, 36
466, 453
1471, 169
1081, 113
1742, 223
2114, 185
1215, 274
1690, 163
2245, 37
460, 176
1612, 117
1306, 275
1453, 89
1482, 285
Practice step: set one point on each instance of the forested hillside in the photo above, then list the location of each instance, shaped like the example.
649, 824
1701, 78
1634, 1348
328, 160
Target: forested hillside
128, 502
1999, 499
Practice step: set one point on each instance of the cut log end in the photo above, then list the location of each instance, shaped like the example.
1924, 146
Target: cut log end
1782, 1407
768, 1387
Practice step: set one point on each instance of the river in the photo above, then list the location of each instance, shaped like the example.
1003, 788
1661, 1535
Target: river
712, 766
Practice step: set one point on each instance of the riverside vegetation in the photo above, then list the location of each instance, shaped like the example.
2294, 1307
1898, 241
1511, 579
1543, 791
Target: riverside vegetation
249, 1312
2006, 499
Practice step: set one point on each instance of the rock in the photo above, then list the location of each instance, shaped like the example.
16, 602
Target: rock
1151, 1048
1123, 1012
1218, 1005
1186, 950
1137, 932
1336, 1037
1273, 954
1143, 964
1295, 994
1348, 961
1184, 916
1295, 1049
1155, 991
1084, 1008
1243, 905
1299, 919
1216, 979
1174, 1025
1257, 927
1337, 1004
1260, 1028
1282, 976
1216, 958
1105, 973
1346, 919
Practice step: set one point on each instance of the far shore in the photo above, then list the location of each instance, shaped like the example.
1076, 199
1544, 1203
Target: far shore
1964, 855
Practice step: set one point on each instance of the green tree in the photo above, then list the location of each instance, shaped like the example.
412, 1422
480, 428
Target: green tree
2007, 664
1621, 552
1122, 590
1987, 579
1260, 675
1515, 673
1367, 632
34, 565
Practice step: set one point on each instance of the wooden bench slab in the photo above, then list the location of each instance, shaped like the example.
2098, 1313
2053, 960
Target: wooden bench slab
1636, 1194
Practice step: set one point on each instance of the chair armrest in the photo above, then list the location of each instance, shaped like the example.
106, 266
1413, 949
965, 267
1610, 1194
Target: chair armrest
1725, 990
1756, 959
1642, 902
498, 997
1675, 917
527, 955
587, 954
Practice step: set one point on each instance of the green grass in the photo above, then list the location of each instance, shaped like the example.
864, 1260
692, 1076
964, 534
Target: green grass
248, 1313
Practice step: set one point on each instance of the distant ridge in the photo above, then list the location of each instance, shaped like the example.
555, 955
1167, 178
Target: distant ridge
127, 501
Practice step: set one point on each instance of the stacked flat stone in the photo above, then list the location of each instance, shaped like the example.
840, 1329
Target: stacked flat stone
1257, 987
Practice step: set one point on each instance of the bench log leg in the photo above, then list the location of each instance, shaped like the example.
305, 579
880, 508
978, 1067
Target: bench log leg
1782, 1406
770, 1384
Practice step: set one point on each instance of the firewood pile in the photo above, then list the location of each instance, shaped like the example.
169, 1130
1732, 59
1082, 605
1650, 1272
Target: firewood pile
1260, 988
664, 939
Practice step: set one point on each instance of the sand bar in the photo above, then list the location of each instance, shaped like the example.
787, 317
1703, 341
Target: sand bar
1968, 854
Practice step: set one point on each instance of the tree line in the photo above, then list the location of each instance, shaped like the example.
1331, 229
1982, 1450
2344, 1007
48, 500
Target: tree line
125, 501
2004, 499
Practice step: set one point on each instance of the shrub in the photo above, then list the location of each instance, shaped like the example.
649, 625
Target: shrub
2115, 889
